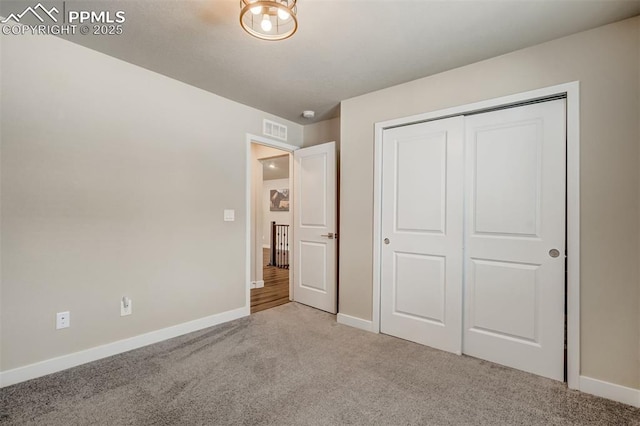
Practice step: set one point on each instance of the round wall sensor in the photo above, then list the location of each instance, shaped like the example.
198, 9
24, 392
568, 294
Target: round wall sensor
308, 114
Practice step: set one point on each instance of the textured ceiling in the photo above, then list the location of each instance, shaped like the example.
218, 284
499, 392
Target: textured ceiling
342, 48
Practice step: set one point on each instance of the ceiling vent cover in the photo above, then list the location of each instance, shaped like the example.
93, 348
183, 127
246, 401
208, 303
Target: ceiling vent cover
271, 128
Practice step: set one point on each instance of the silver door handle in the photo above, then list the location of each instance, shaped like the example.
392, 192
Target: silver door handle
330, 236
386, 241
554, 253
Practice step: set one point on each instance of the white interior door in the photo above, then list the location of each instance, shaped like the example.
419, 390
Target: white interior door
315, 227
515, 237
422, 197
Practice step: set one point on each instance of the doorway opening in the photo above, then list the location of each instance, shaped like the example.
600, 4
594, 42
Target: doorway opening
270, 224
274, 214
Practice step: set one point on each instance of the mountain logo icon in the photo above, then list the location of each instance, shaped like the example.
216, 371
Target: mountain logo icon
34, 11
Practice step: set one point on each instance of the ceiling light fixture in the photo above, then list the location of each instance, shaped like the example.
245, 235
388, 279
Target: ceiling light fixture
269, 19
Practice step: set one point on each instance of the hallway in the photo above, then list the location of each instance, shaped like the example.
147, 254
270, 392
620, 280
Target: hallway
276, 287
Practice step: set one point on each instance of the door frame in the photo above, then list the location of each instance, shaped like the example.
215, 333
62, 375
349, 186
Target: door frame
260, 140
572, 92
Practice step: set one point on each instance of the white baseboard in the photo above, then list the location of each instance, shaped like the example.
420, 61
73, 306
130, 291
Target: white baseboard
257, 284
355, 322
612, 391
53, 365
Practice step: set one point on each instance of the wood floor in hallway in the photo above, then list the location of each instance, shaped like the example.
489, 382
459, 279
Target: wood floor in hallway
276, 287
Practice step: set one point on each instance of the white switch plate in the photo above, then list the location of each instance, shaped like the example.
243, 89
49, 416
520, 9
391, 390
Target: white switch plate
125, 311
63, 320
229, 215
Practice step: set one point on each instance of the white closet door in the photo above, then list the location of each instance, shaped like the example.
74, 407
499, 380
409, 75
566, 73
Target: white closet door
421, 286
515, 237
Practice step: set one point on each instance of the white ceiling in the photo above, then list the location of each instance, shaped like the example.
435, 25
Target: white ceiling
275, 167
342, 48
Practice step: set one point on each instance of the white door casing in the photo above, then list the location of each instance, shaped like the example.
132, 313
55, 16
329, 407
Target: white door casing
315, 227
515, 218
422, 184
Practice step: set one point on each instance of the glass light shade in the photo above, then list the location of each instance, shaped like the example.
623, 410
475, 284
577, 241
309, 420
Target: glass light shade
275, 20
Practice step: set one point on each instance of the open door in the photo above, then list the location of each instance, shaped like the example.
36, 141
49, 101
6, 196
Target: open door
315, 227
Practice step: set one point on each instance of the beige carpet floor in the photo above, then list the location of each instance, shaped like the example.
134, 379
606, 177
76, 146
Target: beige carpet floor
293, 365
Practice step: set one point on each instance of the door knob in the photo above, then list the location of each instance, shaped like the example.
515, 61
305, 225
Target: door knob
330, 235
554, 253
386, 241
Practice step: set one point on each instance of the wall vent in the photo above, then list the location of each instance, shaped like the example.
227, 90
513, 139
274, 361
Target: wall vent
271, 128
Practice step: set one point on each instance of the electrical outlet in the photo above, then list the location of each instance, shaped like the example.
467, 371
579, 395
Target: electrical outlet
63, 320
125, 306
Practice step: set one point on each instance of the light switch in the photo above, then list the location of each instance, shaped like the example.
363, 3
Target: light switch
229, 215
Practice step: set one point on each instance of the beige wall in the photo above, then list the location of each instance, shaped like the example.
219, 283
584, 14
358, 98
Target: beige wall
606, 62
114, 181
322, 131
